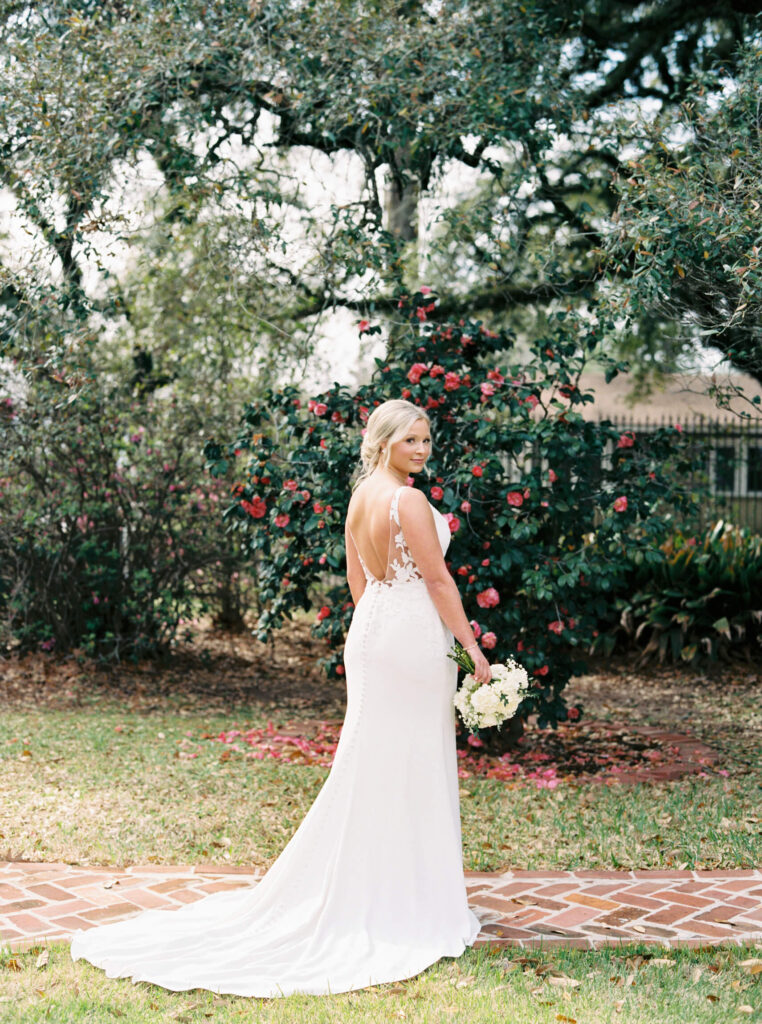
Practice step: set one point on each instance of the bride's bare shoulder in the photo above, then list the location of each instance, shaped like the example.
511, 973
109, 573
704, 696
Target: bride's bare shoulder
413, 502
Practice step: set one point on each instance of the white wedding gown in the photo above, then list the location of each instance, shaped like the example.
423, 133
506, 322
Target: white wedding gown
370, 887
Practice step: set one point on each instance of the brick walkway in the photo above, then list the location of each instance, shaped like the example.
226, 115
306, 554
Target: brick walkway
587, 909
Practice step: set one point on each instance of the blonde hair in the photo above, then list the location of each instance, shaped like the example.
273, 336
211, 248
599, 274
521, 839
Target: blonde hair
389, 422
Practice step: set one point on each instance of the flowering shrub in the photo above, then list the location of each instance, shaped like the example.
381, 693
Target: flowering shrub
108, 541
542, 504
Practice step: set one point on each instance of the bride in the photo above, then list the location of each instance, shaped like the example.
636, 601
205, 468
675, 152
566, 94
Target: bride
370, 887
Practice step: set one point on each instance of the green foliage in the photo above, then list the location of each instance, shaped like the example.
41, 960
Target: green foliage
105, 537
699, 601
543, 505
687, 225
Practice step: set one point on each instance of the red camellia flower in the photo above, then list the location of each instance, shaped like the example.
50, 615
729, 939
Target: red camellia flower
363, 326
515, 498
406, 392
416, 371
339, 670
290, 485
476, 628
437, 493
477, 471
485, 562
541, 671
552, 476
556, 627
282, 520
465, 506
256, 507
626, 440
320, 409
573, 714
324, 612
317, 507
305, 495
488, 598
495, 375
452, 381
462, 571
431, 403
489, 640
436, 371
453, 522
620, 505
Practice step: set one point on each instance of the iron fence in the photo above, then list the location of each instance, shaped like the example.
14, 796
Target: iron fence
731, 459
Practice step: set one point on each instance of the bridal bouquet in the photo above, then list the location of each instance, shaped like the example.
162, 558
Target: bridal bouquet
492, 703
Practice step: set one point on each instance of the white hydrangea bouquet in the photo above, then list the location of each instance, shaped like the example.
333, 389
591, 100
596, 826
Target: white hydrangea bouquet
488, 704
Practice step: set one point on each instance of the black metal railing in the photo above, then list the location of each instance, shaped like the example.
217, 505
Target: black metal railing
730, 451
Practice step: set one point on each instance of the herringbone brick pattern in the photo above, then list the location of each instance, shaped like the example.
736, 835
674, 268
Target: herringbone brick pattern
588, 909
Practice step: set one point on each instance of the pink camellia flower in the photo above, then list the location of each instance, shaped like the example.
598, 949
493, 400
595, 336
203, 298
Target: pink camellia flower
363, 326
678, 428
437, 493
474, 741
465, 506
282, 520
453, 522
416, 371
515, 498
556, 627
477, 471
322, 560
552, 476
488, 598
436, 371
424, 289
320, 409
317, 508
489, 640
475, 626
305, 495
324, 612
290, 485
487, 388
626, 440
620, 505
452, 381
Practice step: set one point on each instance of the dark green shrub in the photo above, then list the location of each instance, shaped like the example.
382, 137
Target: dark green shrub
701, 600
109, 535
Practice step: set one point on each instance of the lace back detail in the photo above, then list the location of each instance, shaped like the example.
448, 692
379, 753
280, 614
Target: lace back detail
401, 568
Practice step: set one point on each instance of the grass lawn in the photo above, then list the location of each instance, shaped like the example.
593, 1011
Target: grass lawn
633, 985
96, 770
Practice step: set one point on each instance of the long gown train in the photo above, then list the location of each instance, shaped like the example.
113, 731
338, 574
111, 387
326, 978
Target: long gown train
370, 887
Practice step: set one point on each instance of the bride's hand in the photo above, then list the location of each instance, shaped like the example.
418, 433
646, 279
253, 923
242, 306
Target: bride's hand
482, 672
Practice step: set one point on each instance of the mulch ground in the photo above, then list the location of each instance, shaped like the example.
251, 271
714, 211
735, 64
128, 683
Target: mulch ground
638, 725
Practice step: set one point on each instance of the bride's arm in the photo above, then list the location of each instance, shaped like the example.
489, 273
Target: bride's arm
417, 521
355, 575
